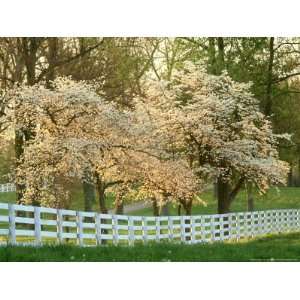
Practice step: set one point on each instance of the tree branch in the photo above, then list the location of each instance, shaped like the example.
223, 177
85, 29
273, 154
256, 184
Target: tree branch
112, 183
66, 61
236, 189
286, 77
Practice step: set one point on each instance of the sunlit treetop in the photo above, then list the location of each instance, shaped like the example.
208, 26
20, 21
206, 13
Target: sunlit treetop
216, 123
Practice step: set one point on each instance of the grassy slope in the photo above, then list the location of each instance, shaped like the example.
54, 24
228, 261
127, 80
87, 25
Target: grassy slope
76, 196
285, 197
277, 247
8, 197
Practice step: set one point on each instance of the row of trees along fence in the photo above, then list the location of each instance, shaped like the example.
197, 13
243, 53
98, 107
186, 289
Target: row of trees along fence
48, 225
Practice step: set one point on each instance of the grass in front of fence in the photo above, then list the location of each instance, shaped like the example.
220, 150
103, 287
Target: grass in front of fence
285, 247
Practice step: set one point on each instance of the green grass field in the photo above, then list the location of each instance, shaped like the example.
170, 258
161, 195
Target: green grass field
276, 247
272, 248
77, 202
284, 197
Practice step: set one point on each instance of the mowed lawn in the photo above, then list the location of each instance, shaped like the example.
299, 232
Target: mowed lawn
77, 202
279, 247
285, 247
275, 198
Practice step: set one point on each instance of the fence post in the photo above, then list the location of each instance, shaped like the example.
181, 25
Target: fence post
288, 221
12, 224
144, 229
202, 229
115, 229
182, 229
269, 222
170, 228
212, 228
284, 221
98, 229
130, 231
295, 219
238, 228
291, 218
59, 217
193, 230
79, 228
275, 222
252, 224
278, 221
281, 222
230, 228
157, 229
221, 225
37, 225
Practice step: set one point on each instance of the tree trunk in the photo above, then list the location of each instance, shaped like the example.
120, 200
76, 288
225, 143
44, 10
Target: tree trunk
223, 192
89, 195
212, 66
215, 190
52, 58
165, 210
119, 204
28, 50
102, 204
179, 210
290, 177
88, 190
268, 105
298, 174
226, 194
30, 47
188, 211
221, 55
101, 194
19, 149
250, 199
188, 208
155, 208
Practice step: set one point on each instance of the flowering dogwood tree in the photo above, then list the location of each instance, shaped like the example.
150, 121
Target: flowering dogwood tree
180, 134
6, 119
74, 129
216, 125
6, 137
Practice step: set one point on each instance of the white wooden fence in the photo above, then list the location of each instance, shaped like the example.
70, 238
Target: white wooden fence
37, 225
7, 187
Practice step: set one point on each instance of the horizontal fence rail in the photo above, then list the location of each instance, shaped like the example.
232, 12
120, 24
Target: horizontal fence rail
7, 187
37, 225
